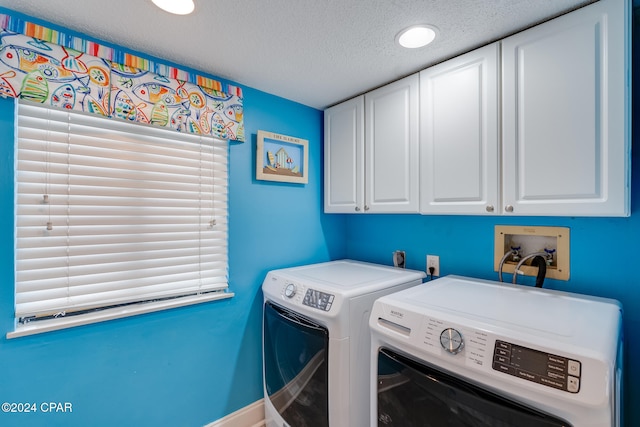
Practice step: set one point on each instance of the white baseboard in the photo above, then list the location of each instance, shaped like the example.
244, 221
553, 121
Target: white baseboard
249, 416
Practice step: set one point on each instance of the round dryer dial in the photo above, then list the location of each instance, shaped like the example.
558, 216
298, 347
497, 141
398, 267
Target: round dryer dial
451, 340
290, 290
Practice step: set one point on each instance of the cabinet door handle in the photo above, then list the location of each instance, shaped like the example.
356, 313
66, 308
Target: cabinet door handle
508, 208
366, 208
489, 208
357, 208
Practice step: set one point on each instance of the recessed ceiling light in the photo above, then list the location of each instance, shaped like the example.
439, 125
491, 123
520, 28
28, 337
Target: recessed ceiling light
416, 36
177, 7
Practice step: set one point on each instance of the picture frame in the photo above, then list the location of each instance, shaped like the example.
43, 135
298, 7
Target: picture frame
282, 158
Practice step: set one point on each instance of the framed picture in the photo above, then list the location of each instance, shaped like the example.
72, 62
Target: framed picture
282, 158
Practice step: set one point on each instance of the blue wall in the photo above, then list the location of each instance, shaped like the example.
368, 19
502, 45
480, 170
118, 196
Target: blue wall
187, 366
604, 251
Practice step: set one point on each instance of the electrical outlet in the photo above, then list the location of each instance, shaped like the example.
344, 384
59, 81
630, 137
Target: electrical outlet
433, 261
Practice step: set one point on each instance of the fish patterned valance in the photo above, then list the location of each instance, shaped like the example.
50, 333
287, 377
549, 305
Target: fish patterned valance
45, 66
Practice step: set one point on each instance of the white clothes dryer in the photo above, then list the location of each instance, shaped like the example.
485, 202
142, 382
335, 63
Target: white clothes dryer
316, 341
469, 352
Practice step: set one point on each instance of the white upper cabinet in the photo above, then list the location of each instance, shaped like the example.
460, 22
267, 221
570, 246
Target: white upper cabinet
371, 151
459, 167
565, 107
565, 140
391, 147
344, 157
535, 124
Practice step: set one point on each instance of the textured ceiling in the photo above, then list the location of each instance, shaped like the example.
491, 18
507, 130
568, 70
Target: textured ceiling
316, 52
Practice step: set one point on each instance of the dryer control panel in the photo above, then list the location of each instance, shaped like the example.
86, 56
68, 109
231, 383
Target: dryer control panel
537, 366
319, 300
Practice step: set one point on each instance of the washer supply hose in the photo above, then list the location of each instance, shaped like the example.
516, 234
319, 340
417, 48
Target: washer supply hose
506, 255
542, 270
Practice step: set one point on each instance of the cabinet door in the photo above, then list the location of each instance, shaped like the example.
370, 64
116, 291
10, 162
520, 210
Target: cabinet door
343, 157
391, 147
566, 114
459, 168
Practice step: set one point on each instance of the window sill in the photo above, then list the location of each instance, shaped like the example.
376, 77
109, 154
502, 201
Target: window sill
109, 314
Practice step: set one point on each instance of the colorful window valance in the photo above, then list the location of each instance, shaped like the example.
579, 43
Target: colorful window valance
46, 66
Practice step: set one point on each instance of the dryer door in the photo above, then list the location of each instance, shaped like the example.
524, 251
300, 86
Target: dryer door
295, 367
411, 394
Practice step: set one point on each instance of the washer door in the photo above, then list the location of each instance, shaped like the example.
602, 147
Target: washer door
411, 394
295, 367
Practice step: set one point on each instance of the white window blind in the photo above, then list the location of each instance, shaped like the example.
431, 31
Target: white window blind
110, 213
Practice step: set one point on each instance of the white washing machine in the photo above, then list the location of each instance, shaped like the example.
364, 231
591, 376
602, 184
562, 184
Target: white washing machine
468, 352
316, 341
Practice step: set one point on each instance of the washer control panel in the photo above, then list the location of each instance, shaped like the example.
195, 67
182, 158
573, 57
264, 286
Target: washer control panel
320, 300
537, 366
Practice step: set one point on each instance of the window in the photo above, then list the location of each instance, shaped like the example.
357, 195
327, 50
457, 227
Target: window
114, 218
